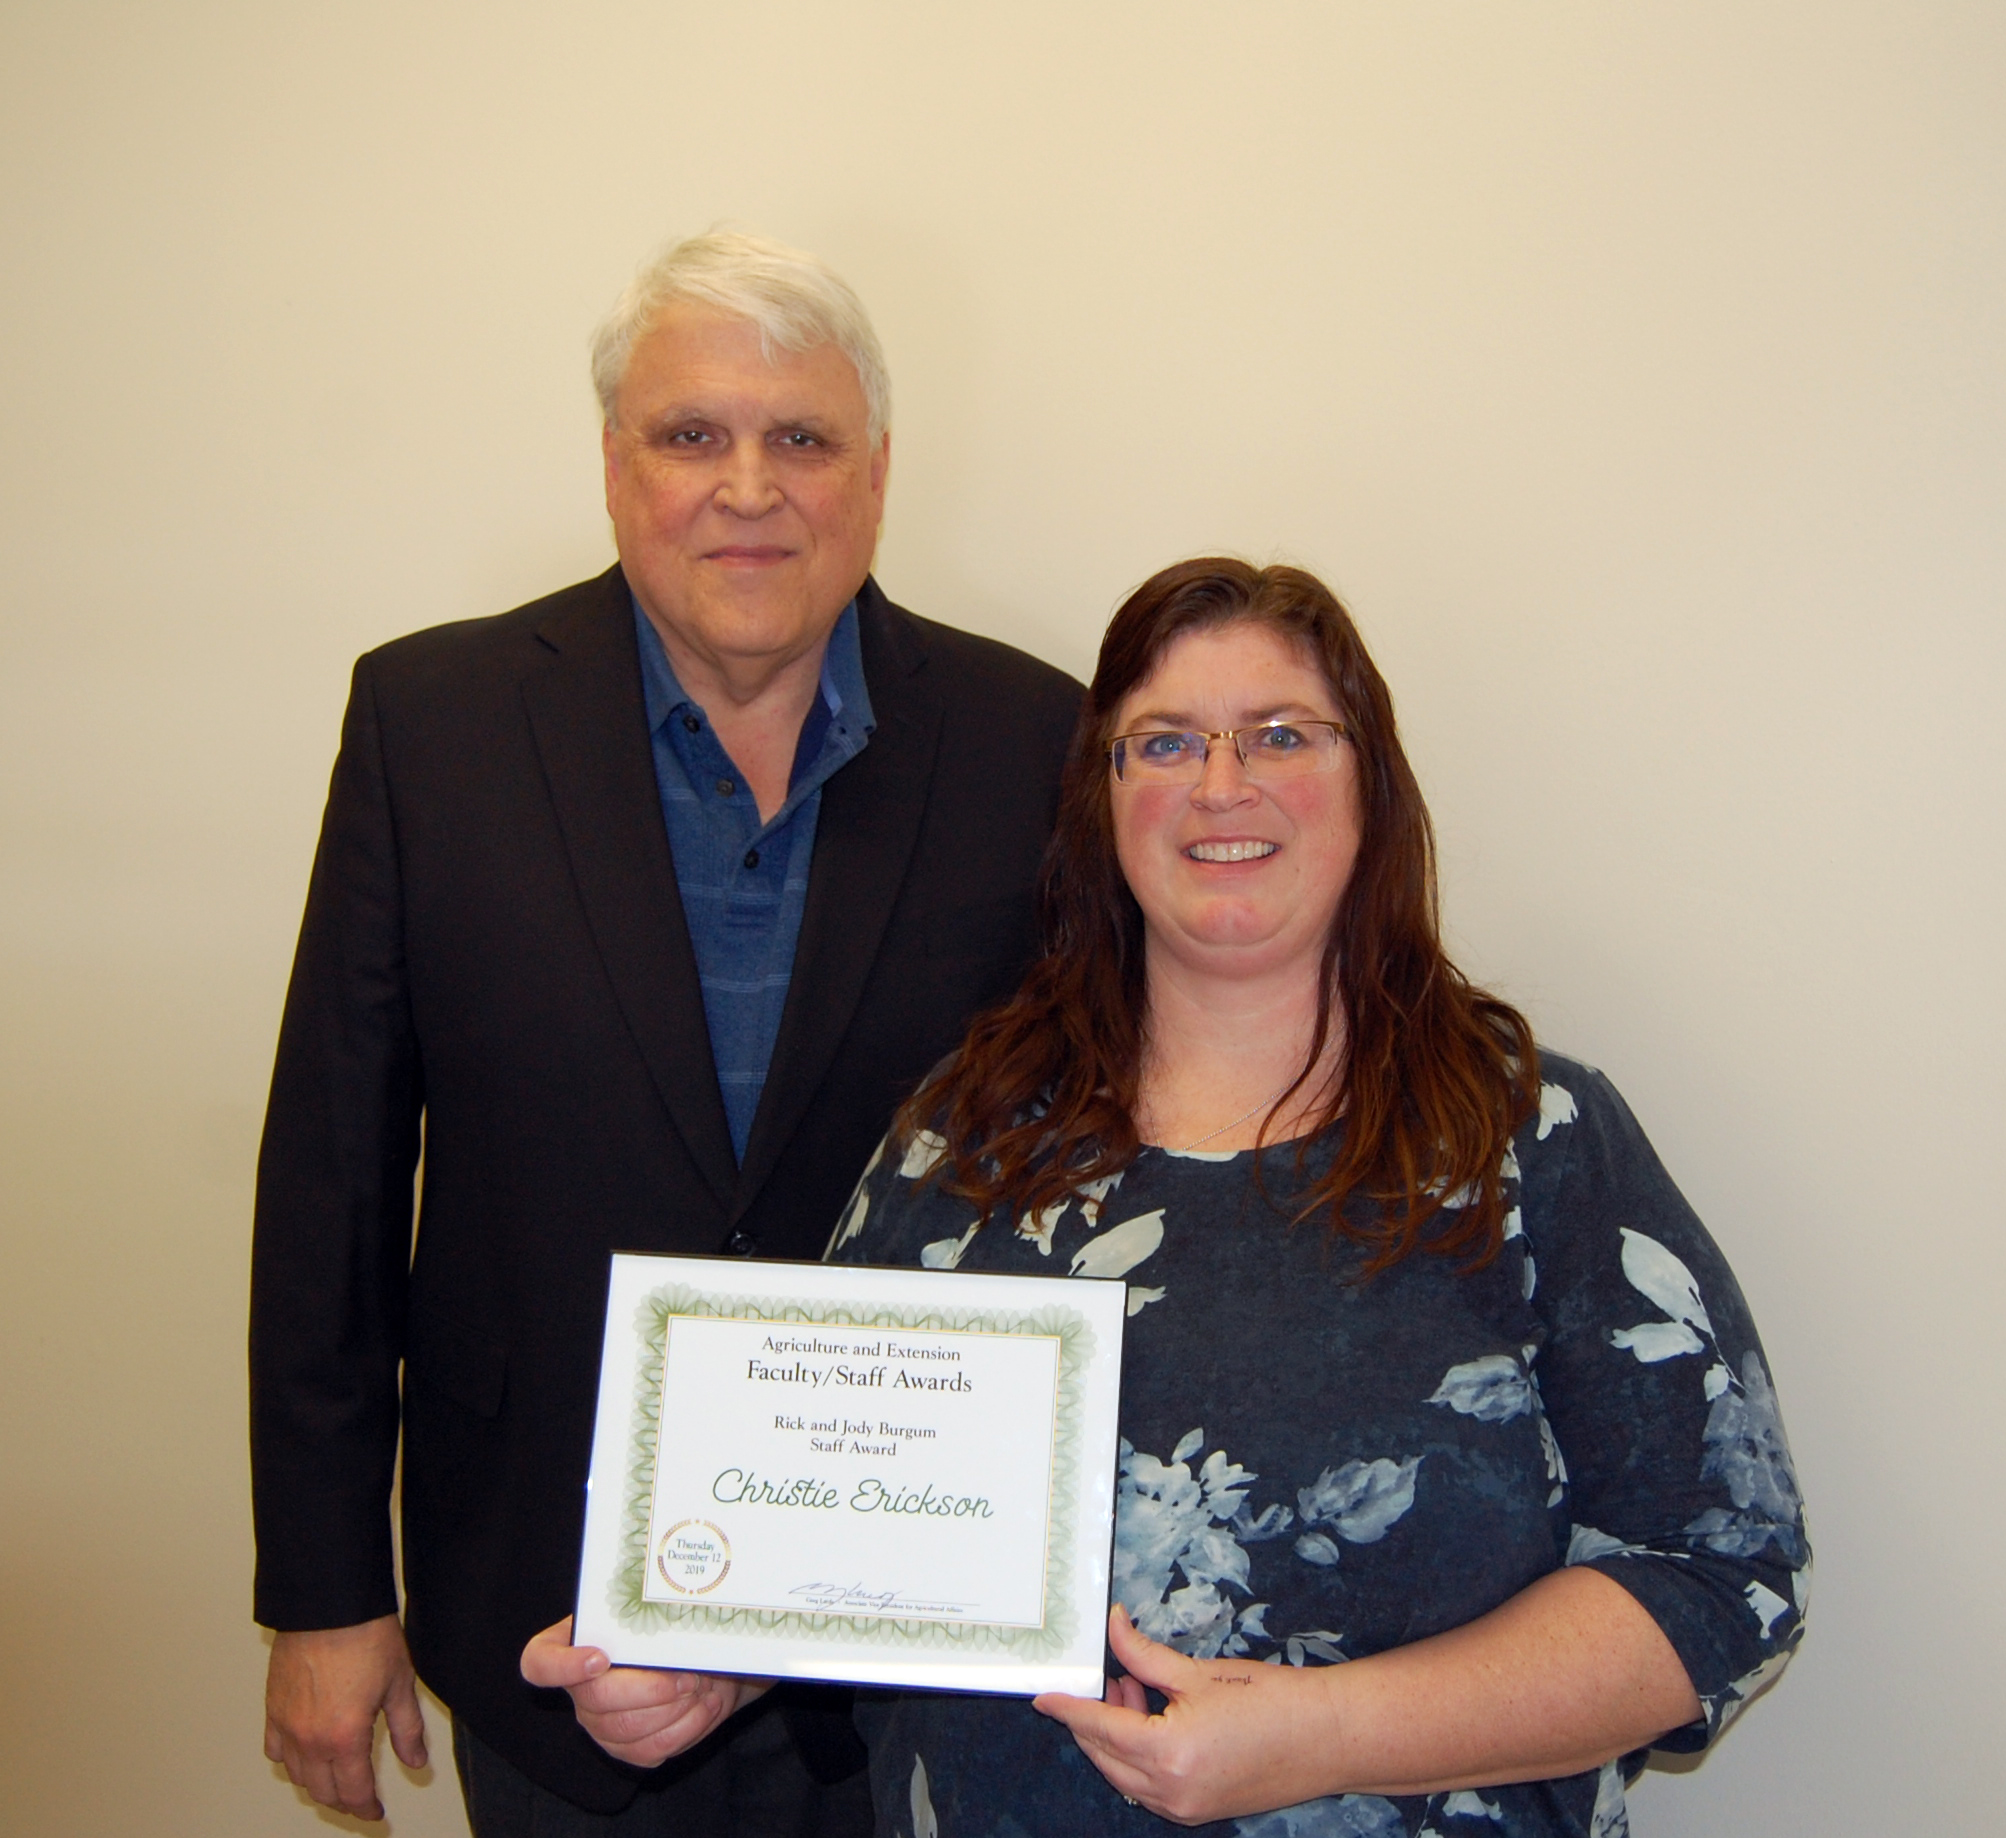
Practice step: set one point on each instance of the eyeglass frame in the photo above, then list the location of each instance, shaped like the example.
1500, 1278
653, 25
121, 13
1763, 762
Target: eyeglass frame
1339, 731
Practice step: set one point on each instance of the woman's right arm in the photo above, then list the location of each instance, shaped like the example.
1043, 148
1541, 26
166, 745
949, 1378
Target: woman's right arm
637, 1714
641, 1714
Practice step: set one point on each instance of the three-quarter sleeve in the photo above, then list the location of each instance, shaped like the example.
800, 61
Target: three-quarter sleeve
1679, 1481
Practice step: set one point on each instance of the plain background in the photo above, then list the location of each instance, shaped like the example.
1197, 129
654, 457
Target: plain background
1635, 371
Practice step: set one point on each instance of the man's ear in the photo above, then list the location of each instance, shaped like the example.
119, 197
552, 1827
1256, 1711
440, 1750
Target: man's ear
881, 465
609, 453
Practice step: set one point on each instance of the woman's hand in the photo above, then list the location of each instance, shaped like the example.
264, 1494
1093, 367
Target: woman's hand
635, 1713
1567, 1675
1231, 1741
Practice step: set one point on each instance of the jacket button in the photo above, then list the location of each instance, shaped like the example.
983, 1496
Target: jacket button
741, 1244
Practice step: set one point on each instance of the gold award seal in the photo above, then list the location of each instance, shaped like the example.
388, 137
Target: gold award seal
692, 1556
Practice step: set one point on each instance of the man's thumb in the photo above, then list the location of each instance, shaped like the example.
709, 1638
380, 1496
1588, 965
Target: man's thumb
407, 1722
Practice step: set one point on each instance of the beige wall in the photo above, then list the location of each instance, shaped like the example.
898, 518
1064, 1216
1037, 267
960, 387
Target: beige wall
1636, 370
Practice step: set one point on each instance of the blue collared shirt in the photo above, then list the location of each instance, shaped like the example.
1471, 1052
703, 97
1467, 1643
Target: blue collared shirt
745, 884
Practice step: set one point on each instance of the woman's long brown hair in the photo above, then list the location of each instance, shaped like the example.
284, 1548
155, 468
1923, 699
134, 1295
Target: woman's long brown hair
1435, 1073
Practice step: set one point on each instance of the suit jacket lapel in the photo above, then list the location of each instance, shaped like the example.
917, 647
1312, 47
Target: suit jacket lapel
591, 732
870, 820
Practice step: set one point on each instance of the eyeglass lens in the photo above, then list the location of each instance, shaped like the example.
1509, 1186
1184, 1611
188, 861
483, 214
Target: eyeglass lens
1276, 749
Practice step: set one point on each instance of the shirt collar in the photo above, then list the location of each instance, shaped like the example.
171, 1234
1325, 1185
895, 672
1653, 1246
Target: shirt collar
844, 692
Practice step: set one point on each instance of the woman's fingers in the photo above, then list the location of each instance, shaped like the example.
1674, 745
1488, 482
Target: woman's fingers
1127, 1693
552, 1661
1110, 1733
1168, 1670
1122, 1733
627, 1689
1120, 1741
1185, 1762
637, 1713
1085, 1717
661, 1728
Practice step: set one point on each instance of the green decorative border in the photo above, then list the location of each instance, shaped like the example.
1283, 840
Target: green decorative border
632, 1608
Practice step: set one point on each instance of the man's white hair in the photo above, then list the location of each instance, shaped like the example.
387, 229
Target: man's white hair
795, 299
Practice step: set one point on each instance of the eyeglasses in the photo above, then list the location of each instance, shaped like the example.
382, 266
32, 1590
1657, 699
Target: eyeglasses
1269, 750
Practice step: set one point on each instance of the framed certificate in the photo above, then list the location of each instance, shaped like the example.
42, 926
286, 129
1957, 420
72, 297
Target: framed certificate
889, 1477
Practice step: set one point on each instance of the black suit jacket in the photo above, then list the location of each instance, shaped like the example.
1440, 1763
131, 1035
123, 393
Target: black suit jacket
494, 963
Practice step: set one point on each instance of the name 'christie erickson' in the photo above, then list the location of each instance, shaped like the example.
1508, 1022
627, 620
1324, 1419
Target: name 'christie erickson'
742, 1487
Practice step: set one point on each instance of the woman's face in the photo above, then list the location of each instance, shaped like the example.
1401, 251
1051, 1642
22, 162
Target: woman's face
1237, 876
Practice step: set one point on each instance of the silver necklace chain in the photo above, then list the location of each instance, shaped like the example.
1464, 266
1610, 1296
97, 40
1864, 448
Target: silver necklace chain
1264, 1104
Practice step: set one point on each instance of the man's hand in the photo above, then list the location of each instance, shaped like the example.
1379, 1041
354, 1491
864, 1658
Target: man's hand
322, 1693
635, 1713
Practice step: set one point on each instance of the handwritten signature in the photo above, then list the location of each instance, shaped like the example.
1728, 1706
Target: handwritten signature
850, 1597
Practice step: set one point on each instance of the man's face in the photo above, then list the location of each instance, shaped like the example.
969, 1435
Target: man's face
745, 495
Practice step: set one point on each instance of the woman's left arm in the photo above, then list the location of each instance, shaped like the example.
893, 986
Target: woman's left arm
1679, 1527
1568, 1674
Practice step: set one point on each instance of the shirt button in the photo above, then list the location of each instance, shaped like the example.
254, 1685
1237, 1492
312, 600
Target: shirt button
741, 1244
725, 788
752, 858
692, 725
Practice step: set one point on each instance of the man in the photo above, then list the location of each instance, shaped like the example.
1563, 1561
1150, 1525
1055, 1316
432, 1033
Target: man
641, 906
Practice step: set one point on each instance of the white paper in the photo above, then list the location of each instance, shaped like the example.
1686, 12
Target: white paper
885, 1476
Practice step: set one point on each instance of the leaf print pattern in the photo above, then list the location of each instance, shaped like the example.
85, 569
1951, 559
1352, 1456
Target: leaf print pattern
1652, 1341
945, 1253
1118, 1250
1467, 1805
1585, 1544
1556, 1106
1168, 1519
1740, 1534
1315, 1643
1765, 1604
925, 1824
1611, 1818
1659, 1276
851, 1221
1728, 1705
922, 1154
1493, 1389
1514, 1232
1362, 1499
1356, 1815
1271, 1522
1549, 1447
1094, 1194
1747, 1450
1655, 1273
1039, 1226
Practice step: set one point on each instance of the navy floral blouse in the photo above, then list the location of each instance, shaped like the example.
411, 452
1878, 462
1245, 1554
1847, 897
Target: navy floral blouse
1315, 1468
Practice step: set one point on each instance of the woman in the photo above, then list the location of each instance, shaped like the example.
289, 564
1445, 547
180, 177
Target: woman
1429, 1368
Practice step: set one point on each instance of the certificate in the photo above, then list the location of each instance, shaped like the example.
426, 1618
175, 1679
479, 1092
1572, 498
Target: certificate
889, 1477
